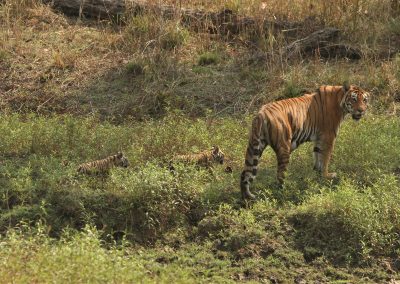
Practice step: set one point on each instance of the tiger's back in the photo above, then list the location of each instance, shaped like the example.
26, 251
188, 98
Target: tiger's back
206, 158
103, 166
300, 119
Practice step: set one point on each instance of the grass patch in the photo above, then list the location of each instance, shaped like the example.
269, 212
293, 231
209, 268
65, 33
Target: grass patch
349, 224
309, 225
146, 201
202, 70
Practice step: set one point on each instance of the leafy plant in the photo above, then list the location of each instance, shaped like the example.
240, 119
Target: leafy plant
208, 58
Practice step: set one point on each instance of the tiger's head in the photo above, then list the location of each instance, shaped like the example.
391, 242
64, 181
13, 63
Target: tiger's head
121, 160
217, 155
355, 101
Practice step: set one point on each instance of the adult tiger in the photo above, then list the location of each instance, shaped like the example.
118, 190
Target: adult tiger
103, 166
286, 124
204, 159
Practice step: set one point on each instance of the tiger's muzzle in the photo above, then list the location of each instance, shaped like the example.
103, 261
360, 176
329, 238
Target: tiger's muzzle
357, 116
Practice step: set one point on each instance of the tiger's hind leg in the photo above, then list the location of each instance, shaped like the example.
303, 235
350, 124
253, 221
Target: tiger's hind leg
171, 168
322, 155
282, 156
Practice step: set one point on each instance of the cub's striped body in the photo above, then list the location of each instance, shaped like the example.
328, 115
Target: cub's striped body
103, 166
204, 159
286, 124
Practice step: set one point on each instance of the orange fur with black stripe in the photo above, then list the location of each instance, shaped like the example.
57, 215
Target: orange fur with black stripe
103, 166
203, 159
286, 124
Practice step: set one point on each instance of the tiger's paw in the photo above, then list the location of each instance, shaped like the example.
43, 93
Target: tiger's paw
331, 175
317, 169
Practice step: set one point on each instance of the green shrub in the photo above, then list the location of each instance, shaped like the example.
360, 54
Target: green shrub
140, 24
134, 68
291, 90
4, 55
208, 58
350, 224
174, 37
394, 25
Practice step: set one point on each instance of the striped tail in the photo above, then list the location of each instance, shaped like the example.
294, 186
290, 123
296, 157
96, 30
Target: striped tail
253, 154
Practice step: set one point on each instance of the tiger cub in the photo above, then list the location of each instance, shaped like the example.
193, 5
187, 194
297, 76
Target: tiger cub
103, 166
205, 159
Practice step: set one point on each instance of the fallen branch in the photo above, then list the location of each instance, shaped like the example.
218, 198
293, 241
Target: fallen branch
223, 22
323, 42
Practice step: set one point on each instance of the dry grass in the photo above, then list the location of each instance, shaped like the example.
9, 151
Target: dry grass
52, 63
49, 55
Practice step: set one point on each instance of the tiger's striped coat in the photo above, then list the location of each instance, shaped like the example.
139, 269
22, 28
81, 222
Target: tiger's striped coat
286, 124
204, 159
103, 166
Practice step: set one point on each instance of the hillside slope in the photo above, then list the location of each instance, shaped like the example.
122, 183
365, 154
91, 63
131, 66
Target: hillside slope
75, 90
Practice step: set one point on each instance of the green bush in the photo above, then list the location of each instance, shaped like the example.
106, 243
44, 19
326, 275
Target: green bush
350, 224
174, 37
394, 25
139, 25
208, 58
3, 56
134, 68
291, 90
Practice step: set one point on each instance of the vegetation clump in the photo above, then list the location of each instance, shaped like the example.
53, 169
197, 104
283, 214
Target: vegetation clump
174, 37
208, 58
134, 69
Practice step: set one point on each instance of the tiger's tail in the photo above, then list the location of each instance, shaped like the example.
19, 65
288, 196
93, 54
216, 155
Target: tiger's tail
253, 154
171, 167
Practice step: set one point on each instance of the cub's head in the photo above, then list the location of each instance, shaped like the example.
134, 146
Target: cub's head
121, 160
355, 101
218, 155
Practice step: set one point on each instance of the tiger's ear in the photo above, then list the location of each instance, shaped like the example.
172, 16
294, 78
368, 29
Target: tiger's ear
346, 85
119, 155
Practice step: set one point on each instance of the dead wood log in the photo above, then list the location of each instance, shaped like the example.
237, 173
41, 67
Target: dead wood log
90, 8
223, 22
323, 42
